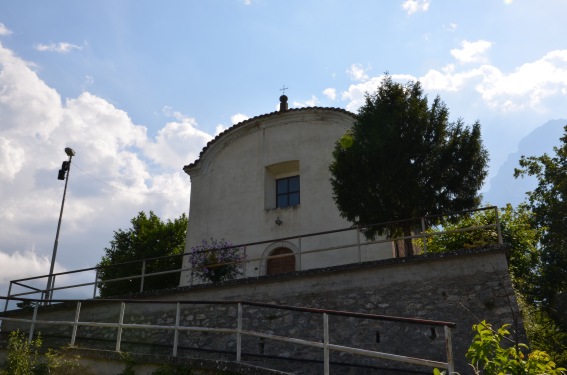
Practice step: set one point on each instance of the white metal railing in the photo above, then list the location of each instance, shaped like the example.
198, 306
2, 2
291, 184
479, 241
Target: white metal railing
33, 285
239, 331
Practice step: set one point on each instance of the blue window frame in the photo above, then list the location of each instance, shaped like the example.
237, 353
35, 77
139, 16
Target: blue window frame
287, 191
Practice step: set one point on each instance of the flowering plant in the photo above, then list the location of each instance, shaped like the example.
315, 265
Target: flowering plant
216, 260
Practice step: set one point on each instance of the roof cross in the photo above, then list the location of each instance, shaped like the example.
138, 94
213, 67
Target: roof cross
283, 89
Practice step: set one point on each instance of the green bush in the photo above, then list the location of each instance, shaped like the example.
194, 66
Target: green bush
23, 355
24, 358
488, 355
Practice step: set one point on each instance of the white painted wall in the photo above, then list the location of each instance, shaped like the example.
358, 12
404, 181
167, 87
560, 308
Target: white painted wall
232, 196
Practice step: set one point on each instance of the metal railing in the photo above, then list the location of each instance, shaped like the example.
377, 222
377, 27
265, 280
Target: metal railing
239, 331
422, 231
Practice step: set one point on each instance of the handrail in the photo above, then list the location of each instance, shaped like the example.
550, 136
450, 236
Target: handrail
238, 330
303, 253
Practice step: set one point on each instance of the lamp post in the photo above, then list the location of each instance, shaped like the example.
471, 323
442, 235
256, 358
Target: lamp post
63, 175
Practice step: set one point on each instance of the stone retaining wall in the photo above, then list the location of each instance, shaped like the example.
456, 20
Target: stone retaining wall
458, 287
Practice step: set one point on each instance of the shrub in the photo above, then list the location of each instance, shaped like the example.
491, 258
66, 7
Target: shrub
23, 358
23, 355
488, 355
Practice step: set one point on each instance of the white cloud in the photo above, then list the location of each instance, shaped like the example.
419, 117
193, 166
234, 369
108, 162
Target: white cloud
220, 128
237, 118
118, 171
413, 6
451, 27
234, 119
12, 159
356, 93
61, 47
20, 265
330, 93
528, 86
4, 30
357, 73
177, 144
313, 102
472, 51
89, 81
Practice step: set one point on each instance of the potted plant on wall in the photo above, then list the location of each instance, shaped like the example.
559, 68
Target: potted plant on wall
216, 260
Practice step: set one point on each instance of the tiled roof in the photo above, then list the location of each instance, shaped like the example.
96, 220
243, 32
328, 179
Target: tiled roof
243, 123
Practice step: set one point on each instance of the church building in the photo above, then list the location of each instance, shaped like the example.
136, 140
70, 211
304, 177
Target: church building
267, 178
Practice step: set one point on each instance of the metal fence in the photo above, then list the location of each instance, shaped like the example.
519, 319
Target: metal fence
238, 331
90, 281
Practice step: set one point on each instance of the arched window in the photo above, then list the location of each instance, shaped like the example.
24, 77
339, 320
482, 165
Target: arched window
281, 263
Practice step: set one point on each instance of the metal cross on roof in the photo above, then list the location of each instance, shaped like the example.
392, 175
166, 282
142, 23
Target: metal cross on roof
283, 89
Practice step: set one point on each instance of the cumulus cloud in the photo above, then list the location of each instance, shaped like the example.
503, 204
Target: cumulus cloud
413, 6
220, 128
330, 93
11, 159
4, 30
527, 86
356, 93
20, 265
118, 171
177, 143
237, 118
472, 52
357, 73
61, 47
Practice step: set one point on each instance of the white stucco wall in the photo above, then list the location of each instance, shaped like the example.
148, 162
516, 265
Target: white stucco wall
232, 196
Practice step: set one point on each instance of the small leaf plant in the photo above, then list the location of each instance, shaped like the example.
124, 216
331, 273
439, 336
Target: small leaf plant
488, 356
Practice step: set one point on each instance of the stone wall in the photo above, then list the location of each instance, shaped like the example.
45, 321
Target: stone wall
458, 287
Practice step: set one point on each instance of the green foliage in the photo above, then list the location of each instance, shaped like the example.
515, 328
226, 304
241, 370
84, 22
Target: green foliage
148, 237
516, 230
548, 202
23, 356
544, 333
403, 159
216, 260
488, 355
130, 363
63, 364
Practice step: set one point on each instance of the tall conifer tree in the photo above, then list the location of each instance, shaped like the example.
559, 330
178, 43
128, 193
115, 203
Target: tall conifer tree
404, 159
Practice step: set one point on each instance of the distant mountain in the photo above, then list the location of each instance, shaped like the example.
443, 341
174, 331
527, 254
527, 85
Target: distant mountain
504, 188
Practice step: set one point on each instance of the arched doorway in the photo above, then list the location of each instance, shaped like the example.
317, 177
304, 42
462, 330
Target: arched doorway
282, 263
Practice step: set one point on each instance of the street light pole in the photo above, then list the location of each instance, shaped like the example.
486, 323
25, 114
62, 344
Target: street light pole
63, 175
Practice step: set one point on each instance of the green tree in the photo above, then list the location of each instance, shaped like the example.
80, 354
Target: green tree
403, 159
548, 202
524, 263
516, 230
148, 237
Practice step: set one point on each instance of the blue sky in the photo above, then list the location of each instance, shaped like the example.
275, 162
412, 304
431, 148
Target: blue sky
138, 87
